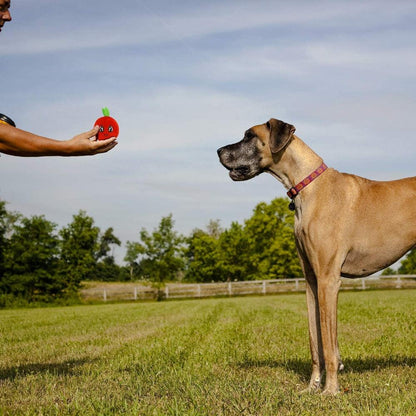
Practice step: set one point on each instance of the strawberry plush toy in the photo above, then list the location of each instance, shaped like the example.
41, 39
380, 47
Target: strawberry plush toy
108, 126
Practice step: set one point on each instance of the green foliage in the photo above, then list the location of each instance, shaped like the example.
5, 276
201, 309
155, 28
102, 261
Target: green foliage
263, 248
204, 258
79, 249
131, 258
235, 252
37, 264
85, 252
158, 255
7, 220
3, 240
105, 241
31, 261
388, 272
271, 241
108, 271
408, 264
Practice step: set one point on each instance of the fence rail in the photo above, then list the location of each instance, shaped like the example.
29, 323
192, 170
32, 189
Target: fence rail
132, 291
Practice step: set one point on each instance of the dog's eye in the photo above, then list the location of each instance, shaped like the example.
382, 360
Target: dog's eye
249, 134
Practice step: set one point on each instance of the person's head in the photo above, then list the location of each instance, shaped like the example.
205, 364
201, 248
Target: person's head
4, 12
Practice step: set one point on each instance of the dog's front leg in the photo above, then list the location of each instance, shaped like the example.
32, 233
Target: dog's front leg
315, 340
328, 287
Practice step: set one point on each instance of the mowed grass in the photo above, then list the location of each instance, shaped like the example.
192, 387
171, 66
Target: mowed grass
228, 356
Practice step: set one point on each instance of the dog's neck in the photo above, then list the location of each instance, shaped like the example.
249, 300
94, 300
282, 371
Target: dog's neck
289, 168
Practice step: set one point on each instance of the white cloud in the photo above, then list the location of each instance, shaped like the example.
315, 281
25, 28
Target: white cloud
145, 23
162, 119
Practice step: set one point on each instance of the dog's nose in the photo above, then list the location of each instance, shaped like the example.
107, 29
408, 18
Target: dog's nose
219, 151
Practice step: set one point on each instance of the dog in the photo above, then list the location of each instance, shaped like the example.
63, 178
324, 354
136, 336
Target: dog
345, 225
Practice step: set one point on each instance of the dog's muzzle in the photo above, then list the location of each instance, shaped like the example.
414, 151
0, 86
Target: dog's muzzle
233, 159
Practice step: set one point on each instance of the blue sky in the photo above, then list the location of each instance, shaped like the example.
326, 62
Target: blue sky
185, 77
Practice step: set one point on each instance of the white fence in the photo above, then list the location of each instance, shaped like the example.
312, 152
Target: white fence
131, 291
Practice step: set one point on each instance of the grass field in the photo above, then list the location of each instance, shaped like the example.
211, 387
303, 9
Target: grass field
236, 356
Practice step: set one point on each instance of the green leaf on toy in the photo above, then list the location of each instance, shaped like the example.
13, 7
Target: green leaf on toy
106, 112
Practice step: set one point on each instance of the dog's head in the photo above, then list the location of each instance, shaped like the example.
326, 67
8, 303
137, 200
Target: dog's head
257, 151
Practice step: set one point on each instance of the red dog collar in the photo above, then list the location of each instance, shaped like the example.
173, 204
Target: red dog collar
302, 184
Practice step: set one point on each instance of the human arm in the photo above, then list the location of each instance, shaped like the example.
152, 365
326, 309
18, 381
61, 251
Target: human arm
18, 142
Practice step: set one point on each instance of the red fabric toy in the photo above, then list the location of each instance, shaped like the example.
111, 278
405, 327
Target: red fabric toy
108, 126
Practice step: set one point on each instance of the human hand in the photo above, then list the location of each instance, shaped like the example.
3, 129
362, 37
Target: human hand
87, 144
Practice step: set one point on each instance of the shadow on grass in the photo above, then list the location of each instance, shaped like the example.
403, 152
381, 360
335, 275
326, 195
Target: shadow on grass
359, 365
298, 366
363, 365
64, 368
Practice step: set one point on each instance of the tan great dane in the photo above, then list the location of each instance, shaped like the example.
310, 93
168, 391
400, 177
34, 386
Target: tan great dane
345, 225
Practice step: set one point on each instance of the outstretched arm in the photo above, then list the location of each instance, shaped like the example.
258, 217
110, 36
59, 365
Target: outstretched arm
18, 142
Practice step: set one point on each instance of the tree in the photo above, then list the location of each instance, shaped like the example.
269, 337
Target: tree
216, 254
263, 248
7, 221
3, 240
107, 269
388, 272
159, 254
272, 247
408, 264
105, 241
31, 261
214, 228
131, 258
204, 260
234, 252
80, 249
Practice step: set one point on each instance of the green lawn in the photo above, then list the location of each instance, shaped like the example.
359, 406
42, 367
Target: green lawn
236, 356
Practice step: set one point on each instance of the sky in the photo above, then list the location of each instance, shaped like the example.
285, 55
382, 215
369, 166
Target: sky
186, 77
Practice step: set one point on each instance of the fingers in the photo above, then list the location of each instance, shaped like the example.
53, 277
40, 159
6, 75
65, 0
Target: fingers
102, 146
107, 141
88, 134
87, 144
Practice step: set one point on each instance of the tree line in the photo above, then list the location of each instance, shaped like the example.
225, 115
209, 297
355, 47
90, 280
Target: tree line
39, 262
263, 247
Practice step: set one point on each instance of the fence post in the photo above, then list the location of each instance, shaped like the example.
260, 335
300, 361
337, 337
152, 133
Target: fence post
297, 284
198, 291
230, 291
398, 283
264, 290
135, 293
363, 284
105, 295
167, 292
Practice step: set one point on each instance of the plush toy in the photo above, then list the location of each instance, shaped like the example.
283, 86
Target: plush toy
108, 126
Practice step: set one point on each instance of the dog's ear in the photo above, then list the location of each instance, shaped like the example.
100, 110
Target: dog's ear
280, 134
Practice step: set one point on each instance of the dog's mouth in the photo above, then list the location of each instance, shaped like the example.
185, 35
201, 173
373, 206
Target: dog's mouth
241, 173
239, 169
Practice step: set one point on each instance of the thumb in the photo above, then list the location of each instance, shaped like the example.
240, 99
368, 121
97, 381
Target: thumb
91, 133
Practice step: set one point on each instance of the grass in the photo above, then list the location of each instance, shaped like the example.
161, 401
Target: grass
237, 356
